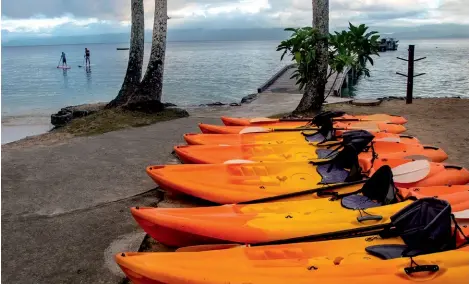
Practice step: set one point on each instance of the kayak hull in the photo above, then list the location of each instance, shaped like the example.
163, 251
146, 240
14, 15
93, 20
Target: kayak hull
243, 121
233, 183
369, 126
276, 138
216, 154
267, 222
152, 268
243, 264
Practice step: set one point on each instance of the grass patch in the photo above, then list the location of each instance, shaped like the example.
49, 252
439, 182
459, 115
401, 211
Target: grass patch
114, 119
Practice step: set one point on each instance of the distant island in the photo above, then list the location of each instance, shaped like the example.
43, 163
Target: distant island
177, 35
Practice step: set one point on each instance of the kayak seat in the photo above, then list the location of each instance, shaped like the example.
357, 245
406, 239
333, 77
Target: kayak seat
323, 153
332, 173
356, 201
386, 251
316, 137
379, 190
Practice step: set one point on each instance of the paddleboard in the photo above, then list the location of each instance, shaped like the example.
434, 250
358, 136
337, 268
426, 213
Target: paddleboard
64, 67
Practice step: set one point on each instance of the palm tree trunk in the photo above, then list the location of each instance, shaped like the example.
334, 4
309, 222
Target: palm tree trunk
151, 87
313, 97
135, 63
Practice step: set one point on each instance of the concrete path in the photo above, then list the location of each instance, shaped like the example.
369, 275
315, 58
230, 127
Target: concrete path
65, 207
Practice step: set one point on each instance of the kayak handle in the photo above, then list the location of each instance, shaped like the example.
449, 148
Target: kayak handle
369, 218
420, 268
327, 193
431, 147
453, 167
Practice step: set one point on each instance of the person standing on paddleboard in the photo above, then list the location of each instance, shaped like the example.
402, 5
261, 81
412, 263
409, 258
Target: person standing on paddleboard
63, 59
87, 57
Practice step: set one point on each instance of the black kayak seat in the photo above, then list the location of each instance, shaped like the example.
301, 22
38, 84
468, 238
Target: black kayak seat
332, 173
316, 137
424, 226
324, 153
356, 201
377, 191
386, 251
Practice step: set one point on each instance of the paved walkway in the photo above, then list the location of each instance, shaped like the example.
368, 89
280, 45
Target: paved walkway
65, 206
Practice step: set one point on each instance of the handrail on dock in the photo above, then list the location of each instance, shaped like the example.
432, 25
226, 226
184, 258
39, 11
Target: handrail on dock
274, 78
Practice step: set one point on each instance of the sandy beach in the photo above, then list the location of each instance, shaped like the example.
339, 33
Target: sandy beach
19, 127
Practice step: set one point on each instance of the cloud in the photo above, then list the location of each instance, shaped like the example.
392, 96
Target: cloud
102, 16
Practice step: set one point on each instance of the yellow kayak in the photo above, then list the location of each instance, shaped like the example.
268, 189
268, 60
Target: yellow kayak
274, 138
218, 154
423, 244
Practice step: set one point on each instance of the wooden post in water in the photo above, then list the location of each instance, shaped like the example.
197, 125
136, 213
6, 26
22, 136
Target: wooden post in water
410, 73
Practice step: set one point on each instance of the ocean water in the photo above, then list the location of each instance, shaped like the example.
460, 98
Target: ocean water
446, 66
195, 73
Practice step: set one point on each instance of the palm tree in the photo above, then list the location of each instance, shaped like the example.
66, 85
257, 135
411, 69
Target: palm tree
151, 87
135, 63
313, 97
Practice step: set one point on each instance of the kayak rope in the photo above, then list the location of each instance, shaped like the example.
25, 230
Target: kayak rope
458, 228
414, 267
360, 210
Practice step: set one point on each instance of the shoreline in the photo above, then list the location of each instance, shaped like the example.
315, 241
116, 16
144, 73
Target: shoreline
42, 132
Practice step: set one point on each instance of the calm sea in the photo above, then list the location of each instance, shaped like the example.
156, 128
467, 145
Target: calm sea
195, 73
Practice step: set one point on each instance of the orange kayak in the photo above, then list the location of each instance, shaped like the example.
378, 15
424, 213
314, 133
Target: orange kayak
244, 121
286, 221
218, 154
296, 137
366, 125
232, 183
334, 262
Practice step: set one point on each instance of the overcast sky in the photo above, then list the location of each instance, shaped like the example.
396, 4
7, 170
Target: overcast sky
74, 17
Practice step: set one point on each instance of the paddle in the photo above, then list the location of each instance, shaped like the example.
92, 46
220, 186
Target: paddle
79, 66
58, 63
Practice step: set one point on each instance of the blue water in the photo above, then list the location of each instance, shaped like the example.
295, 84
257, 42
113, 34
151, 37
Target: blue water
446, 66
195, 73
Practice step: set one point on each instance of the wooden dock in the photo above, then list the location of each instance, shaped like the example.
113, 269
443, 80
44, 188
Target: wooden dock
281, 83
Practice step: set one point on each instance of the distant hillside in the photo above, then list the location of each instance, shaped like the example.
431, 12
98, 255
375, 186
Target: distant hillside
418, 32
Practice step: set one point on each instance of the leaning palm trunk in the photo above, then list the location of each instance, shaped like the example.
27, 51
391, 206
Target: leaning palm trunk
313, 96
135, 63
151, 87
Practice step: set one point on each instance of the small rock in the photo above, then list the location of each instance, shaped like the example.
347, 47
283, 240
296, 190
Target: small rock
234, 104
181, 112
216, 104
249, 98
169, 104
366, 102
60, 119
